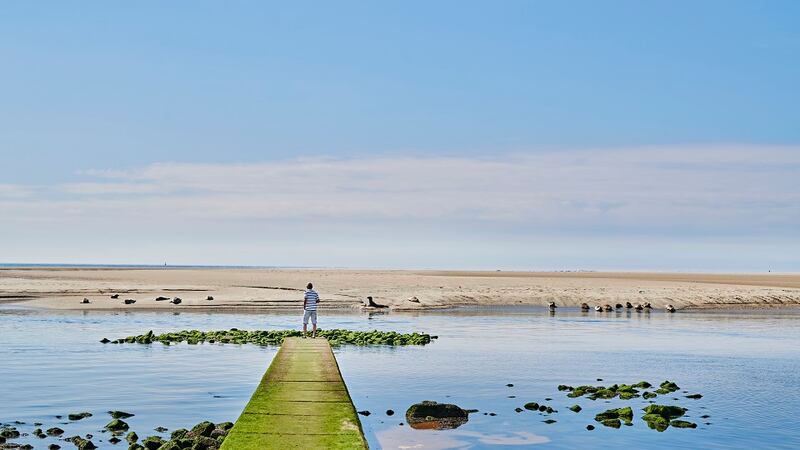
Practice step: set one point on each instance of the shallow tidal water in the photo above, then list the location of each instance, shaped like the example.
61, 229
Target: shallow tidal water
746, 364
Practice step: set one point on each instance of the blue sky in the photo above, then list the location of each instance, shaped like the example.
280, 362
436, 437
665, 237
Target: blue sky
530, 135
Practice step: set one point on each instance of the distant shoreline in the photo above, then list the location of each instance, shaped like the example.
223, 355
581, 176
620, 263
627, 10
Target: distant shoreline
258, 289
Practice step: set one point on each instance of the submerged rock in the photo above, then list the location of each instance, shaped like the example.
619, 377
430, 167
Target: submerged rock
656, 422
117, 425
531, 406
590, 427
152, 442
683, 424
438, 416
79, 416
648, 395
666, 411
694, 396
120, 414
55, 432
625, 414
202, 429
575, 408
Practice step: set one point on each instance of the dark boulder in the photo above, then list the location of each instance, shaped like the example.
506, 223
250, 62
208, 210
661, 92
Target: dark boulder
438, 416
120, 414
79, 416
117, 425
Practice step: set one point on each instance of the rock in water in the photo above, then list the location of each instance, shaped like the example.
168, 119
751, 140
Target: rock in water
683, 424
694, 396
389, 412
120, 414
202, 429
117, 425
55, 431
618, 414
79, 416
436, 416
132, 437
575, 408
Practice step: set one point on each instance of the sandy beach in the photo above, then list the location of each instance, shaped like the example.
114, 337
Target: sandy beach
244, 289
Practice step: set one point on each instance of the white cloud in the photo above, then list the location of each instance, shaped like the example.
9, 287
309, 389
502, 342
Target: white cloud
721, 187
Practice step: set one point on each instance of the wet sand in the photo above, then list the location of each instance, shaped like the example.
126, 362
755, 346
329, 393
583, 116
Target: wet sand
243, 289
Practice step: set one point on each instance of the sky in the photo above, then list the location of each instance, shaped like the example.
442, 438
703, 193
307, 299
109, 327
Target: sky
528, 135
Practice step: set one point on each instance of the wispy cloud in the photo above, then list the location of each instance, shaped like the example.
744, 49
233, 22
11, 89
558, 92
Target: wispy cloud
707, 187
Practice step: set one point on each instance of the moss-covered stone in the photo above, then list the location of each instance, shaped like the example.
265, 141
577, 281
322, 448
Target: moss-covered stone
276, 337
564, 387
152, 442
120, 414
683, 424
180, 433
666, 411
625, 414
648, 395
642, 385
132, 437
669, 386
656, 422
79, 416
202, 429
612, 423
428, 414
575, 408
55, 431
116, 426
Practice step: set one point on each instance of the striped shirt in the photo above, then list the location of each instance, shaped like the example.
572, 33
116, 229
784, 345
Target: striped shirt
312, 298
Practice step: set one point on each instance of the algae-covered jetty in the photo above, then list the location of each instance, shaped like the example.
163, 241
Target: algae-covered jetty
301, 402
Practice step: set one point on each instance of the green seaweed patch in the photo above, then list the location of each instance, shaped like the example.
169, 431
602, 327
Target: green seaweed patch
625, 414
666, 411
276, 337
683, 424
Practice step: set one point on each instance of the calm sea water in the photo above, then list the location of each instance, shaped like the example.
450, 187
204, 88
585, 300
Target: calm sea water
745, 364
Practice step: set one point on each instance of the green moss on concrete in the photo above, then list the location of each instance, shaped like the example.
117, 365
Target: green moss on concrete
303, 380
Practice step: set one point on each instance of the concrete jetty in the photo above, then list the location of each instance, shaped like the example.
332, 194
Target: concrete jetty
301, 402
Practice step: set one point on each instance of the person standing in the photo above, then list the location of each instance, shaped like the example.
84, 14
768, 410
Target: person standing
310, 302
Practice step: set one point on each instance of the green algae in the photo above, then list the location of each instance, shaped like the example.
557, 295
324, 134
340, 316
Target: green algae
276, 337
